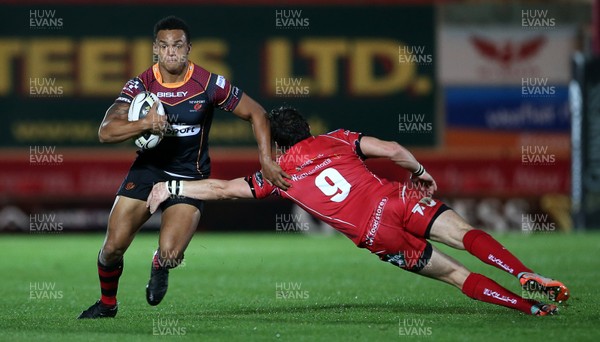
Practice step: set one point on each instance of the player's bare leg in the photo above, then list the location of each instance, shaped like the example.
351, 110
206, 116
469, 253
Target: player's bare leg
449, 228
444, 268
179, 223
126, 218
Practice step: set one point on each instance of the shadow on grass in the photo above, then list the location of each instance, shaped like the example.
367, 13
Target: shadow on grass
335, 311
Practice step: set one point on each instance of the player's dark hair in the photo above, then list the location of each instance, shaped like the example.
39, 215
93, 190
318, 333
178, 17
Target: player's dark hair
288, 126
172, 23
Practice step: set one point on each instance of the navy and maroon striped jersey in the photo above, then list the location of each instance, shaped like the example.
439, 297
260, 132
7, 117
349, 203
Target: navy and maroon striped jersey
189, 106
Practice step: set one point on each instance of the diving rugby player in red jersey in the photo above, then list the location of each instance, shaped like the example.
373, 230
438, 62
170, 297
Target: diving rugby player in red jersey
189, 95
392, 220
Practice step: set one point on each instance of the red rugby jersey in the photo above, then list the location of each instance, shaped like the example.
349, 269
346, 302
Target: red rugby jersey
331, 181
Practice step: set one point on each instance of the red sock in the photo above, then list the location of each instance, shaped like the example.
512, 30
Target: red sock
487, 249
481, 288
109, 282
156, 262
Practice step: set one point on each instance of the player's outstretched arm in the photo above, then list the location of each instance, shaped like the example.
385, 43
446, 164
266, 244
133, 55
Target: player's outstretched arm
250, 110
376, 148
206, 189
115, 126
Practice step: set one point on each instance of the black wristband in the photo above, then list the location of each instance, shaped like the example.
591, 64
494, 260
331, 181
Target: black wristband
420, 171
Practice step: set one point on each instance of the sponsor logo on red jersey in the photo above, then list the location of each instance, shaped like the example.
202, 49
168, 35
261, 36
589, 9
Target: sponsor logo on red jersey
376, 220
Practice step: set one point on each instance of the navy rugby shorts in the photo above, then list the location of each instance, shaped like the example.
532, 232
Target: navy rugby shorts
141, 178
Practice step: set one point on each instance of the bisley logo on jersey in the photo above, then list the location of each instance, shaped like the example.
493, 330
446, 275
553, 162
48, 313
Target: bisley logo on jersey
182, 130
171, 93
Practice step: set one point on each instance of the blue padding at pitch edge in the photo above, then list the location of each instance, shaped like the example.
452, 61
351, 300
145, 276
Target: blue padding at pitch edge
507, 108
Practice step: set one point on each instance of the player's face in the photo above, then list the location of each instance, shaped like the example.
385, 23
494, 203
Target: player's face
172, 49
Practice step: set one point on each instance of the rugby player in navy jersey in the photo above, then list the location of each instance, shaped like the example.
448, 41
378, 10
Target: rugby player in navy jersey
189, 95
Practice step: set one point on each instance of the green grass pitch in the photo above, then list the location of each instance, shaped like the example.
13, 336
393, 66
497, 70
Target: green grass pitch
329, 290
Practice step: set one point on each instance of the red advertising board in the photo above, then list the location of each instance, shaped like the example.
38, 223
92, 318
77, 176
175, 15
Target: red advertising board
83, 175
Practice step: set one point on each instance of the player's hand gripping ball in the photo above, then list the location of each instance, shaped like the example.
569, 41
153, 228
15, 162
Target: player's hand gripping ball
140, 106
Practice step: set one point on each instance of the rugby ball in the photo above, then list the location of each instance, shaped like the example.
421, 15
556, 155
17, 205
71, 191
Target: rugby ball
140, 106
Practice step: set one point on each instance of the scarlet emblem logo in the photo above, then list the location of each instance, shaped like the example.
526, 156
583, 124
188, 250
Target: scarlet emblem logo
129, 186
508, 52
197, 106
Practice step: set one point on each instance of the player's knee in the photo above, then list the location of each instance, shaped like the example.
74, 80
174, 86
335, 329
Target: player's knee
461, 231
458, 276
458, 229
111, 254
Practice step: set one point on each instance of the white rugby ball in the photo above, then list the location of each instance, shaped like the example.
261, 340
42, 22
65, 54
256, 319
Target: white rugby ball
140, 106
